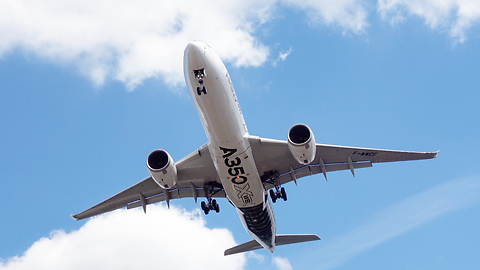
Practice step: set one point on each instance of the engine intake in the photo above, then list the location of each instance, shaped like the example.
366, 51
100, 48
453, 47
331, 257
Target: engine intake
301, 143
162, 169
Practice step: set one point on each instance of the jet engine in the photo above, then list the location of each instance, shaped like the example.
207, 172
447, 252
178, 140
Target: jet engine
301, 143
162, 169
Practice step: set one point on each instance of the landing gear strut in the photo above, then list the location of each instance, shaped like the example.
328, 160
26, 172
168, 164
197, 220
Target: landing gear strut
199, 76
210, 189
278, 194
272, 177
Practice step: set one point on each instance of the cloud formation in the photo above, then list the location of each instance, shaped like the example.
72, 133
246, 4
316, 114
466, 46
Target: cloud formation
129, 239
399, 219
282, 56
130, 41
281, 263
454, 16
348, 15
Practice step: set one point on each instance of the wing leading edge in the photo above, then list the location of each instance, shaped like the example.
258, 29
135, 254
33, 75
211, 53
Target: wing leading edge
275, 162
195, 171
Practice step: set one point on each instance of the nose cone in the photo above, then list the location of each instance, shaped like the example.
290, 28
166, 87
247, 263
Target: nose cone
194, 54
195, 46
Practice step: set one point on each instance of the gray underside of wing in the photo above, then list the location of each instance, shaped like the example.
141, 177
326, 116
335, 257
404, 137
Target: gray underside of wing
194, 171
274, 160
280, 240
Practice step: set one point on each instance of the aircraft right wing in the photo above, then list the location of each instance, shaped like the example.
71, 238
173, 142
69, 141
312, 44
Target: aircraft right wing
276, 164
195, 172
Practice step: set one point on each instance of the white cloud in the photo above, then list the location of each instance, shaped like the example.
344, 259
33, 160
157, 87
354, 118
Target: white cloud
454, 16
131, 41
281, 263
282, 56
349, 15
129, 239
254, 256
400, 218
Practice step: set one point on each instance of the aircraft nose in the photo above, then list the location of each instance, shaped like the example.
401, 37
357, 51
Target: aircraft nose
194, 55
195, 46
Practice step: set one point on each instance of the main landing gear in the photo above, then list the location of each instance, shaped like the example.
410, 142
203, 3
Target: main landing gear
278, 194
211, 205
210, 189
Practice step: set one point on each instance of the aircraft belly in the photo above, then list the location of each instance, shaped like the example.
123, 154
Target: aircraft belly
238, 173
217, 105
259, 222
220, 116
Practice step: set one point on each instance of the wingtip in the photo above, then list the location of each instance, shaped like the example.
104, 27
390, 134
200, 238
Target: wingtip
433, 154
74, 217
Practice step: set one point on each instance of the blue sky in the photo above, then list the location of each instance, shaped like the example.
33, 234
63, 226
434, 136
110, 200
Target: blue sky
87, 91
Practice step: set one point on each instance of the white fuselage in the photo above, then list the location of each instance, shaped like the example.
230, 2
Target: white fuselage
212, 91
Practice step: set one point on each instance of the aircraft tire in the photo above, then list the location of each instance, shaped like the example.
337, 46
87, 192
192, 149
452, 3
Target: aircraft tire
204, 208
214, 204
273, 196
284, 194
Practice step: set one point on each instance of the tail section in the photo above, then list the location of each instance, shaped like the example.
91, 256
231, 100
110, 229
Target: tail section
280, 240
248, 246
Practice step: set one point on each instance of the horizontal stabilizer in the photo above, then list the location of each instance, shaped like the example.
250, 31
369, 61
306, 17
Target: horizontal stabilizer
280, 240
248, 246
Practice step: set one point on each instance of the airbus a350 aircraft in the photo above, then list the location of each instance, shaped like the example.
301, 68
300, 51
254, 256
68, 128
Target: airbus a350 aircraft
237, 166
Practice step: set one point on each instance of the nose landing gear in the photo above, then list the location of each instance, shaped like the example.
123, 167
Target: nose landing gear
200, 76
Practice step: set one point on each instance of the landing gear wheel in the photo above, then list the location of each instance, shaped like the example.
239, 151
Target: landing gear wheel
273, 196
201, 90
283, 193
210, 190
214, 204
205, 208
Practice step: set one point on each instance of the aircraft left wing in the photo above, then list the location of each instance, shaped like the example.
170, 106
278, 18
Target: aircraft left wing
276, 164
195, 172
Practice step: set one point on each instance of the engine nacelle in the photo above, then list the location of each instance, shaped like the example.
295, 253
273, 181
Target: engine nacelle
301, 143
162, 169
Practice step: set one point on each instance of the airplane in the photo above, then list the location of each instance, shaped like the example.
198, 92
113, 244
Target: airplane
244, 169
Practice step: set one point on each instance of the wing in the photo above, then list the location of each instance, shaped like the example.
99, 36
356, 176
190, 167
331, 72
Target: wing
195, 172
276, 164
